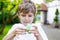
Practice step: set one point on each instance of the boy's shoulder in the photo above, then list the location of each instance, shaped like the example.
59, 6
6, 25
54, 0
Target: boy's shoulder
17, 25
21, 25
37, 24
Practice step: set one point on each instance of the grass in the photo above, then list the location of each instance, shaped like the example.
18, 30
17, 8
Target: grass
7, 27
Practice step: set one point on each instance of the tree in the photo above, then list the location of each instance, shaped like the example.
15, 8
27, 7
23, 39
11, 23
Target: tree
8, 10
56, 20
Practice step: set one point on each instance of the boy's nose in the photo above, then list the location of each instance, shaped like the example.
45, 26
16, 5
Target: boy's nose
26, 18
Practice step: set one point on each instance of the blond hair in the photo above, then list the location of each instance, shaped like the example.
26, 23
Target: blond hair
26, 7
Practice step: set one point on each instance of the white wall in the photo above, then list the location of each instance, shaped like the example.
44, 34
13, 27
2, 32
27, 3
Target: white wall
51, 11
59, 13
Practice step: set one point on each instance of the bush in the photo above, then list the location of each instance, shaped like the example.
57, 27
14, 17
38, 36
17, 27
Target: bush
56, 17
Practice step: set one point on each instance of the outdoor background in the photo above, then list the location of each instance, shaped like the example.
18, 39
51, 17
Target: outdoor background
8, 14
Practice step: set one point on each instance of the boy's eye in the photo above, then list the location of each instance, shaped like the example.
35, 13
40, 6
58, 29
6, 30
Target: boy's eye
30, 15
23, 15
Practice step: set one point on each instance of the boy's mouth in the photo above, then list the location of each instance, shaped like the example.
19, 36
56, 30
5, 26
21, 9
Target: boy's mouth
26, 22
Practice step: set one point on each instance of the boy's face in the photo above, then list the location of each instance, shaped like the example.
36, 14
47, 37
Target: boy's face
26, 18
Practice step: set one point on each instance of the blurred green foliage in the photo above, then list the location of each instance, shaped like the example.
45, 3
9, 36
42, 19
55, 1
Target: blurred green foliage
49, 1
7, 27
9, 8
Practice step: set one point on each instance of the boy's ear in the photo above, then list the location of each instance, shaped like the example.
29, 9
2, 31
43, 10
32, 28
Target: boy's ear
18, 15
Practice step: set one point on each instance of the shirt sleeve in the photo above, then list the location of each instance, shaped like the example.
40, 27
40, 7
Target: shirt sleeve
41, 31
12, 29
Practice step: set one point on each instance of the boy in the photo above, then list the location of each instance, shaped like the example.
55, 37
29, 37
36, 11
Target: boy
26, 14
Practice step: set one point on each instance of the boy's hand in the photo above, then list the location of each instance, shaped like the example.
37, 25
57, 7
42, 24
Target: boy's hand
19, 31
35, 31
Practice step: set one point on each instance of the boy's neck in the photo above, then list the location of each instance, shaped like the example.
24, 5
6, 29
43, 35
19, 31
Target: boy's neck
26, 24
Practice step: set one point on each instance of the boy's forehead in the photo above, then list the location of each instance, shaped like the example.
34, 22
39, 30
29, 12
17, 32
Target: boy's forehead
27, 13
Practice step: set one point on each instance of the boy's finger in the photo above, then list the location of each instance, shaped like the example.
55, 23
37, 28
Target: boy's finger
35, 27
21, 28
